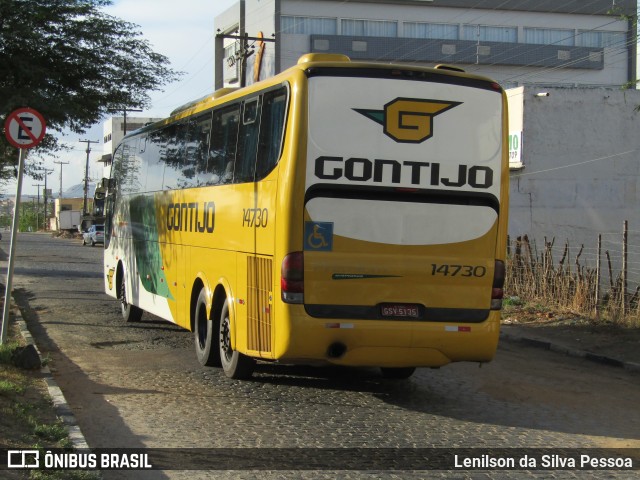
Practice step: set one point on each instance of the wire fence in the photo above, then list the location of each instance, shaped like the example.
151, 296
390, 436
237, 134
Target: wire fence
602, 282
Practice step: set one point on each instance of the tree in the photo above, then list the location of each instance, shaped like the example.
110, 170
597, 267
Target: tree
73, 63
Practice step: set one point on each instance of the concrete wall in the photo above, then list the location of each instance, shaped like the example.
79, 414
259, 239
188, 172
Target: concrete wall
581, 175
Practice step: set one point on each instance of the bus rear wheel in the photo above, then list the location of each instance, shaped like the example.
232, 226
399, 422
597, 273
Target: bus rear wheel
235, 364
397, 373
203, 332
130, 313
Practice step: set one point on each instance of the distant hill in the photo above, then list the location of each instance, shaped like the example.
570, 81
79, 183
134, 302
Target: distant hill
77, 191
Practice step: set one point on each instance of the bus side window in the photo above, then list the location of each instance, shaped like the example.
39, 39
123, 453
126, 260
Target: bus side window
222, 151
173, 156
198, 146
248, 141
274, 109
152, 156
130, 176
116, 175
117, 165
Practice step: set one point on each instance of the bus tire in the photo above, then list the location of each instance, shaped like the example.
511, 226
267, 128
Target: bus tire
130, 313
204, 334
399, 373
235, 364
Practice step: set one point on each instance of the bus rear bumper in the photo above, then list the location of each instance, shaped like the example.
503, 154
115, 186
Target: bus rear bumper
390, 343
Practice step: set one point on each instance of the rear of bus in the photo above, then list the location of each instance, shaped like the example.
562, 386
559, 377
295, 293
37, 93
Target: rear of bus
405, 219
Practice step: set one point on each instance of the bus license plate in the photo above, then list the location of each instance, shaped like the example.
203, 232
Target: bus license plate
400, 310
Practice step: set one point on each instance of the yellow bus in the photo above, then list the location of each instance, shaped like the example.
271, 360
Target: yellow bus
338, 213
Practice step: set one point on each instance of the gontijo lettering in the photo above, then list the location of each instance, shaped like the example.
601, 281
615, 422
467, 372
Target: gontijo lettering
417, 173
191, 217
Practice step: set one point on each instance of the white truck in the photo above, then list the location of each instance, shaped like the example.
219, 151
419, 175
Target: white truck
69, 220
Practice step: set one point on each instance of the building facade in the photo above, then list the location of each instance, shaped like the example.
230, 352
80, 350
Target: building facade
569, 43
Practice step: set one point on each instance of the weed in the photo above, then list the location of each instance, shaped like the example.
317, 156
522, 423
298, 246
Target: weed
6, 351
541, 284
8, 387
53, 432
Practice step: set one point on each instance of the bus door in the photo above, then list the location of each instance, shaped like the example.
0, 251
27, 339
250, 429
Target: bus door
402, 200
260, 141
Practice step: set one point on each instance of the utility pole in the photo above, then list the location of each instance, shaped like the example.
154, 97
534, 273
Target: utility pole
124, 120
38, 185
61, 163
86, 175
124, 117
245, 51
46, 193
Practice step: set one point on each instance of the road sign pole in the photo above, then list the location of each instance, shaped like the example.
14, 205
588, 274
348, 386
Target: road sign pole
14, 231
24, 128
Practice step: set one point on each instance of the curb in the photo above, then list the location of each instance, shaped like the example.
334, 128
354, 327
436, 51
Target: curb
60, 405
572, 352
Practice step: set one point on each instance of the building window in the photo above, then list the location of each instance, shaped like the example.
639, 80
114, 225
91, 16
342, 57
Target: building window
430, 30
590, 38
549, 36
358, 46
230, 50
321, 44
486, 33
309, 25
369, 28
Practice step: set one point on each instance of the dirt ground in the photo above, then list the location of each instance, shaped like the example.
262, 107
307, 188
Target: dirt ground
574, 332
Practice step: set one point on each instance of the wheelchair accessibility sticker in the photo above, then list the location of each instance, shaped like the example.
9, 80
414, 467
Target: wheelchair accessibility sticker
318, 236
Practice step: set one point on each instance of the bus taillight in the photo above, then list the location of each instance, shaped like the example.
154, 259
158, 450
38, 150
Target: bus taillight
497, 291
292, 278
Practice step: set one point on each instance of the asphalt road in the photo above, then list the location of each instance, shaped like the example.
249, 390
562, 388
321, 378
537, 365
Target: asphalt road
140, 385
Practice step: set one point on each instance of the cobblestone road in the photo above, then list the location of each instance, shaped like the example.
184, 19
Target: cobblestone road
139, 385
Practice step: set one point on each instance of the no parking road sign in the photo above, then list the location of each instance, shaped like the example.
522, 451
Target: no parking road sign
24, 128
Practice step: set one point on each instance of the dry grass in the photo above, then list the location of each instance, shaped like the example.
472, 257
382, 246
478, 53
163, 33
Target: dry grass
537, 278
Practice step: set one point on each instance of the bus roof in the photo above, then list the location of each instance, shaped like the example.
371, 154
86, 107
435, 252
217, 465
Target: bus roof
311, 64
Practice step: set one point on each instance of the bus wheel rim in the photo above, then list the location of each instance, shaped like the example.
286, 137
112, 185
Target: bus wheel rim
225, 340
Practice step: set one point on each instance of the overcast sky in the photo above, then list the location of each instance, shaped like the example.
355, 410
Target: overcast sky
181, 30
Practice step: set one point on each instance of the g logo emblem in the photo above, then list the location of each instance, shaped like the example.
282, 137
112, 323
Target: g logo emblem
408, 120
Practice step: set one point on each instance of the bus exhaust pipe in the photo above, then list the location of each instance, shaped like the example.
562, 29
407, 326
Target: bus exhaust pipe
336, 350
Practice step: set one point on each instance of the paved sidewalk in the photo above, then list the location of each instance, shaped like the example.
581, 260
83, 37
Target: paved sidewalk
610, 345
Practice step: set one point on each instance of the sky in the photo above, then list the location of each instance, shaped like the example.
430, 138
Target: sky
181, 30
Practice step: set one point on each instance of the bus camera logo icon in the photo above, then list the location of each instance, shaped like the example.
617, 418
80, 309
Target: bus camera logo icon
23, 459
408, 120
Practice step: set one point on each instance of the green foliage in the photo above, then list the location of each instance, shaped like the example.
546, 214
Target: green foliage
8, 387
73, 63
512, 302
54, 432
6, 350
31, 217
